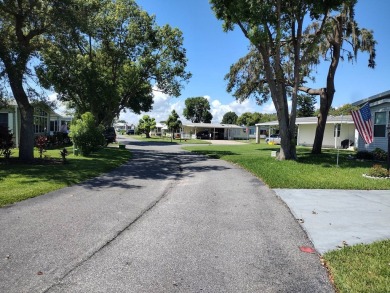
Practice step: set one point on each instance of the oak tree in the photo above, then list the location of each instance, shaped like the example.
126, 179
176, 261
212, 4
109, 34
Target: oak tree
123, 56
229, 118
276, 32
26, 29
197, 109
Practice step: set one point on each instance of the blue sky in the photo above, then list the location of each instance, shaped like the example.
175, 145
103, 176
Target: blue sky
210, 52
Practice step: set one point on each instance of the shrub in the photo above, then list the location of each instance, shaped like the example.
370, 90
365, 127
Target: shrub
379, 154
86, 136
40, 144
364, 155
58, 139
63, 154
378, 171
6, 142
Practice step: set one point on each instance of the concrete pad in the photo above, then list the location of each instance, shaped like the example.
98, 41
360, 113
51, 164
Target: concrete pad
334, 217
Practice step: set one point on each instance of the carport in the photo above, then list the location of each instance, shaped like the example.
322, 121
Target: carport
218, 131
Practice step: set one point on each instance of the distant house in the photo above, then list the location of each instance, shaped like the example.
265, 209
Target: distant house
380, 115
217, 131
160, 130
121, 126
338, 129
46, 121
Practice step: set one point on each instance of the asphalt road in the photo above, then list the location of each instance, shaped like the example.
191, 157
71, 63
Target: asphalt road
167, 221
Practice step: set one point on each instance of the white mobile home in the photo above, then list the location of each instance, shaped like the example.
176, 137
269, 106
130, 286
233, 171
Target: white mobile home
217, 131
337, 130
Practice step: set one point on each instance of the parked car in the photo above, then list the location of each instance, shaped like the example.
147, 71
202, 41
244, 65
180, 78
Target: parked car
204, 134
109, 134
130, 132
273, 138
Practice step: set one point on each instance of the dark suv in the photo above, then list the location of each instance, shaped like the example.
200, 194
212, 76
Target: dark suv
205, 134
110, 135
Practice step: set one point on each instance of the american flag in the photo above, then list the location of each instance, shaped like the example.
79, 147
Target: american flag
362, 120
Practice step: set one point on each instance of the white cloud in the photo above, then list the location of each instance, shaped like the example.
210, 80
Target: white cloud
268, 108
60, 107
52, 97
218, 110
163, 106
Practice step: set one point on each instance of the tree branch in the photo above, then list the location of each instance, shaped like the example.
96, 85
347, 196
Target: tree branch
310, 91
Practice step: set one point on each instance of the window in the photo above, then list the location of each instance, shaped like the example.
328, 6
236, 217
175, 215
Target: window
4, 119
380, 124
337, 129
40, 120
54, 126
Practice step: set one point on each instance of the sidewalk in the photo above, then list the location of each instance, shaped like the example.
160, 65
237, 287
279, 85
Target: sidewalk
334, 217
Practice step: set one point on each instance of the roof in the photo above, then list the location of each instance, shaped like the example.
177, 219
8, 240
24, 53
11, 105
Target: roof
11, 103
372, 99
347, 119
212, 125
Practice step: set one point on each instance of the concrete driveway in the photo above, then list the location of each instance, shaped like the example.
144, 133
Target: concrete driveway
335, 218
167, 221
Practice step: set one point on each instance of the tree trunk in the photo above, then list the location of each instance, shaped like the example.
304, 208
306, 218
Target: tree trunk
325, 104
326, 96
287, 145
26, 146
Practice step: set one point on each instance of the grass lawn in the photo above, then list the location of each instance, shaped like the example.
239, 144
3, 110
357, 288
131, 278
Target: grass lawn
21, 181
309, 171
361, 268
168, 140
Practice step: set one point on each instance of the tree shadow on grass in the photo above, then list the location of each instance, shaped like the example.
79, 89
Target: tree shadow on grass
215, 154
146, 164
328, 159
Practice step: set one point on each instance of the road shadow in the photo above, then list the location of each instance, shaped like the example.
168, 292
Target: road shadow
147, 164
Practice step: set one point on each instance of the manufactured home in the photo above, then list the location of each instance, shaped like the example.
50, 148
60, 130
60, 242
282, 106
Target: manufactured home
46, 121
380, 117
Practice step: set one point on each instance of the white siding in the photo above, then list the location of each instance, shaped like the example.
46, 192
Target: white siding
307, 132
379, 142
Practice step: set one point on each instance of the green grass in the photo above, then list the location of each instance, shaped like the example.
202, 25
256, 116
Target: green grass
168, 140
361, 268
308, 171
22, 181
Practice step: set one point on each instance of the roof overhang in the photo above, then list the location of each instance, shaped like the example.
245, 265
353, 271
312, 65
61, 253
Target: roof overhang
210, 125
374, 100
347, 119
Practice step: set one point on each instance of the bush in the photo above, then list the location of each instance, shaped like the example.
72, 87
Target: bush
6, 142
40, 143
379, 154
378, 171
364, 155
86, 136
58, 139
